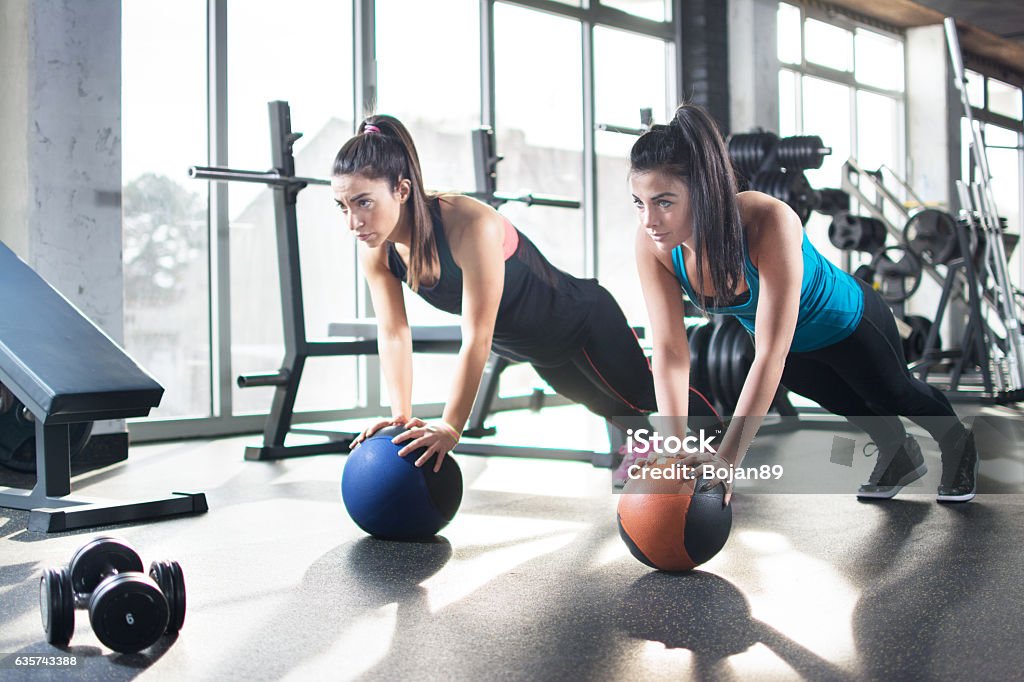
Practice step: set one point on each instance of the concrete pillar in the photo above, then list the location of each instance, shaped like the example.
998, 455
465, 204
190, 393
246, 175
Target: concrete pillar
933, 149
60, 131
753, 65
933, 117
74, 154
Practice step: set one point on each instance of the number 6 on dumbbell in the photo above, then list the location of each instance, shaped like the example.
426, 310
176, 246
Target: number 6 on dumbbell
128, 609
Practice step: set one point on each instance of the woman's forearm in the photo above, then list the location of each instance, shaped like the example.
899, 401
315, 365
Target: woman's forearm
759, 389
672, 391
466, 381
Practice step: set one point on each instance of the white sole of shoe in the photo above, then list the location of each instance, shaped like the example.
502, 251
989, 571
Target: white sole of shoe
891, 491
966, 497
956, 498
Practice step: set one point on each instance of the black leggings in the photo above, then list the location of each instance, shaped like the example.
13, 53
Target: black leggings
865, 378
609, 374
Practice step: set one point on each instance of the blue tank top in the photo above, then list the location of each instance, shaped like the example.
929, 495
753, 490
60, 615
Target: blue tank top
831, 302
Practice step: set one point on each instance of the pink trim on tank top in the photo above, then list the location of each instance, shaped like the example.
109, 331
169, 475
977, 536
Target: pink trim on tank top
511, 240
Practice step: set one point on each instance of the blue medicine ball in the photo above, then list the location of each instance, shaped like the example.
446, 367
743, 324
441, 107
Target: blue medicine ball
390, 497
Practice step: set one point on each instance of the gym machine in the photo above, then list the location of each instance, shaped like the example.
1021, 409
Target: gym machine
61, 371
361, 335
978, 210
959, 256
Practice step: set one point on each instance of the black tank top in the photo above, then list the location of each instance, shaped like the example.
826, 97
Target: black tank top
543, 311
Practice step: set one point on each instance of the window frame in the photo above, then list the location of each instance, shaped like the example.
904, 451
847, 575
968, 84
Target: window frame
221, 420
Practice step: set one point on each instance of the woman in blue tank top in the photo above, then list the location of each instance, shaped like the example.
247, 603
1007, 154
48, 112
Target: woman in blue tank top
463, 257
817, 330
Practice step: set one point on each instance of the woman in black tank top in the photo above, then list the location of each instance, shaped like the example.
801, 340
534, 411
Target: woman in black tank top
463, 257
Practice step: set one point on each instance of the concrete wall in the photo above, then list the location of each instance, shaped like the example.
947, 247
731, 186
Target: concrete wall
753, 65
933, 117
60, 131
74, 154
933, 150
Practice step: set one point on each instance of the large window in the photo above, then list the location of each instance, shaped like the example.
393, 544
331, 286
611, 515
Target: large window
542, 143
840, 82
201, 263
621, 91
317, 33
844, 82
998, 110
431, 81
166, 250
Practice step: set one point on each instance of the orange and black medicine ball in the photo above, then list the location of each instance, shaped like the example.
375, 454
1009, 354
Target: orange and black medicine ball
673, 524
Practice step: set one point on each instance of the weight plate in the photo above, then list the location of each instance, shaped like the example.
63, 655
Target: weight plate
915, 346
699, 338
128, 612
171, 580
57, 606
899, 272
100, 558
865, 274
717, 367
18, 441
932, 236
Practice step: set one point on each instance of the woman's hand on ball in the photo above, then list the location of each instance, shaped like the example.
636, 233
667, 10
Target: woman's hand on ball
375, 427
437, 437
699, 459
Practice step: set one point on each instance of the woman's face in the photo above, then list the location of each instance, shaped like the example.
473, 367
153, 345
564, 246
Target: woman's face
371, 208
663, 205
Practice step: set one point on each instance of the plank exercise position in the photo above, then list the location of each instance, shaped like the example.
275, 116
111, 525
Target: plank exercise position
817, 330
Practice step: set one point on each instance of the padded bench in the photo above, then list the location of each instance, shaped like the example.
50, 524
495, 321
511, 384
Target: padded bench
65, 370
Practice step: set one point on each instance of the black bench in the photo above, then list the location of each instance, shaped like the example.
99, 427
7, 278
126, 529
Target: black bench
65, 370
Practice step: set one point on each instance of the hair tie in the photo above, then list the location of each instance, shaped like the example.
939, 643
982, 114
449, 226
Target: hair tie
370, 128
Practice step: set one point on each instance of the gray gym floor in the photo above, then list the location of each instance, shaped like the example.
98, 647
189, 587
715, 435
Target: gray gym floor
531, 580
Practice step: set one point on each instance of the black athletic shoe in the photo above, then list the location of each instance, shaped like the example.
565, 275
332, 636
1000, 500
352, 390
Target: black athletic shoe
960, 480
892, 472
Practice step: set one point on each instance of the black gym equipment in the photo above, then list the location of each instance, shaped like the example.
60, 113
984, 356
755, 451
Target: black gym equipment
789, 186
749, 151
916, 345
931, 235
721, 353
978, 208
961, 257
897, 273
803, 152
361, 335
128, 609
765, 163
18, 435
646, 121
833, 201
65, 371
850, 232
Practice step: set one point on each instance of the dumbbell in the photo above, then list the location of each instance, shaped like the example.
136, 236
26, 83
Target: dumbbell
128, 609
